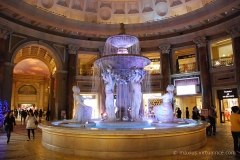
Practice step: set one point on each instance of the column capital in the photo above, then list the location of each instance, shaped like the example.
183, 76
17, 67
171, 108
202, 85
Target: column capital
234, 30
200, 41
5, 32
73, 48
165, 49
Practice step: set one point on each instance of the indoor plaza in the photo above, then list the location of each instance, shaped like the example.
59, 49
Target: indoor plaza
49, 46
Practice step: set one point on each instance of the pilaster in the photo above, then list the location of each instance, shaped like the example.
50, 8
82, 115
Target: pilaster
71, 77
204, 70
165, 63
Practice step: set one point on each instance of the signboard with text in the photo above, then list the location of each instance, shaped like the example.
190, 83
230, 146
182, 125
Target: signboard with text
227, 93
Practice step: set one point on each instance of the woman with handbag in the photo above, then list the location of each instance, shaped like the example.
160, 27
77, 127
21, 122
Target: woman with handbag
8, 124
31, 124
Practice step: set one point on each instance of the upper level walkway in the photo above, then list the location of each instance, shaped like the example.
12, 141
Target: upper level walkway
218, 147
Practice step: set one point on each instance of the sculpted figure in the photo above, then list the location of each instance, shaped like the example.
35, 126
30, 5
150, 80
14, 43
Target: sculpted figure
164, 111
109, 91
83, 112
136, 95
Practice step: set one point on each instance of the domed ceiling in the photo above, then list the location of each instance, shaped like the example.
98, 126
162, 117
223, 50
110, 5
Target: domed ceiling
119, 11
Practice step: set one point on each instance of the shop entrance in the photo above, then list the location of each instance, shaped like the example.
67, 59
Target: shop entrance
227, 99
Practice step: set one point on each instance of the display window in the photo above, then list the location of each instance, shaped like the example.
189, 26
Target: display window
221, 53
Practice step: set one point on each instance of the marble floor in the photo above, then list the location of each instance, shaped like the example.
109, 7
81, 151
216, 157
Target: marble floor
218, 147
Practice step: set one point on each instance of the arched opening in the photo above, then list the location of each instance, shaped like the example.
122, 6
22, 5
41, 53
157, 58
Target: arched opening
33, 79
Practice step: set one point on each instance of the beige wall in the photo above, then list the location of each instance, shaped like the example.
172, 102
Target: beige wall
40, 83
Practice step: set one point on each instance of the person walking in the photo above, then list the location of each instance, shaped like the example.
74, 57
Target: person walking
235, 128
8, 124
30, 124
187, 113
179, 113
195, 113
212, 115
40, 115
23, 116
48, 115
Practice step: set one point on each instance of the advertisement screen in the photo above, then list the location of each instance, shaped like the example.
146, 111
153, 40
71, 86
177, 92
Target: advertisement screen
186, 90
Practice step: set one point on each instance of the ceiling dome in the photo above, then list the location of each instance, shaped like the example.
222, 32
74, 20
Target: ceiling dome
119, 11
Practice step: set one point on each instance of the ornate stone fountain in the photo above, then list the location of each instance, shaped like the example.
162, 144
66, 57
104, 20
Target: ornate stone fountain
122, 68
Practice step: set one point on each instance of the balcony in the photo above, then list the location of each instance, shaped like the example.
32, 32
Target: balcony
85, 72
189, 67
222, 62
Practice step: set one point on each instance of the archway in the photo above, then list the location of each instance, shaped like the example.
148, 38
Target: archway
46, 84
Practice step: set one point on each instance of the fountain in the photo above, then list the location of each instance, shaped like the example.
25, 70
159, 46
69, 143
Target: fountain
123, 133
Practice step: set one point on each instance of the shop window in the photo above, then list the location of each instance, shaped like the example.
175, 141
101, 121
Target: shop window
154, 66
85, 64
185, 60
222, 53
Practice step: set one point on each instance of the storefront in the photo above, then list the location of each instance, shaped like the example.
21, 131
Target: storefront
227, 98
149, 101
187, 95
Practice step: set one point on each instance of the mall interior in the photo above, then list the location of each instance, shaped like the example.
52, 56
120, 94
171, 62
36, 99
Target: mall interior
48, 46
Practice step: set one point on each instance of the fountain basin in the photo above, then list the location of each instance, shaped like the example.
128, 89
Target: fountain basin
123, 61
133, 143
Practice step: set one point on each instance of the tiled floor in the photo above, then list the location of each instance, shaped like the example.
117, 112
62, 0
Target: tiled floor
217, 148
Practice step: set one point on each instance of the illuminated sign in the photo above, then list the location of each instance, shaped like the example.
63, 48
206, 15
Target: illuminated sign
227, 93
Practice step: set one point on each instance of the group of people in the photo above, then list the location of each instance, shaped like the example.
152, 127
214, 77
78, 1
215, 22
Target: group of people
28, 116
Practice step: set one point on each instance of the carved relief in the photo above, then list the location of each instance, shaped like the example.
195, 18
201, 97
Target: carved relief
47, 3
162, 8
105, 14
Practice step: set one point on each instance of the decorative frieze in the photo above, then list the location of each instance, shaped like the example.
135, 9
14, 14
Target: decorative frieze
73, 48
200, 41
165, 49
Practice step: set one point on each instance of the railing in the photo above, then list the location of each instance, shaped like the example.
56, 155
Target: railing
154, 71
189, 67
85, 72
222, 62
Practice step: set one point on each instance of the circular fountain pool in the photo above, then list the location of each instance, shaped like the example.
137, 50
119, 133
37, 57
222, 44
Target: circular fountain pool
124, 141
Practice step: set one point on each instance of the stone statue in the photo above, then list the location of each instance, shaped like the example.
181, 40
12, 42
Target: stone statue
82, 112
109, 91
136, 95
164, 111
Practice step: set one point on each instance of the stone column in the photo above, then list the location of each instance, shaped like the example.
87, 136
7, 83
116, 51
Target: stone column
71, 77
51, 98
204, 70
7, 82
13, 95
234, 32
165, 63
4, 34
61, 86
